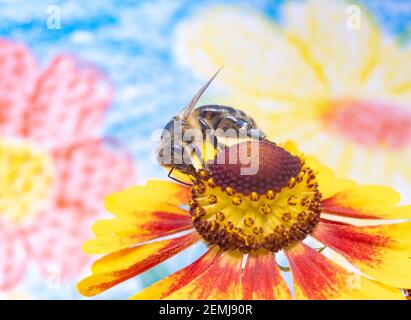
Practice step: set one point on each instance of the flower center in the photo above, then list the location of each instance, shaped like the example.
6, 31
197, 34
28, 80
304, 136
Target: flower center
271, 209
371, 123
25, 180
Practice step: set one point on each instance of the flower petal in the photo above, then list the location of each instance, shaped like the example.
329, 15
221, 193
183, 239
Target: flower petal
127, 263
13, 255
216, 275
66, 230
156, 195
317, 278
87, 171
68, 103
344, 198
122, 232
18, 77
142, 213
367, 202
391, 78
341, 38
382, 252
261, 279
224, 34
328, 183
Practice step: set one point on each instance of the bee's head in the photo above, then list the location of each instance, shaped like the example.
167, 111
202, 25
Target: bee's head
170, 151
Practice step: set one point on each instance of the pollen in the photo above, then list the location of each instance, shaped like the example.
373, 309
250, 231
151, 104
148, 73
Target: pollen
212, 199
248, 222
254, 196
265, 208
230, 191
237, 200
270, 195
272, 209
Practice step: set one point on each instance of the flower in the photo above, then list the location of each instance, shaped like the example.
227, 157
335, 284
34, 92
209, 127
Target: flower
54, 167
246, 220
325, 76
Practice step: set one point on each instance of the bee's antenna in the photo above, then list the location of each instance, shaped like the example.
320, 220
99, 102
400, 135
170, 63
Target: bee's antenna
187, 110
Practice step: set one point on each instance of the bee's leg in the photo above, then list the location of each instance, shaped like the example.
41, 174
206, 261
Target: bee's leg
178, 162
179, 181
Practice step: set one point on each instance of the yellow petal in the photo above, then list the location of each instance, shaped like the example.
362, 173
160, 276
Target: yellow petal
340, 37
328, 183
391, 77
317, 278
142, 213
382, 252
156, 195
127, 263
123, 232
259, 58
367, 202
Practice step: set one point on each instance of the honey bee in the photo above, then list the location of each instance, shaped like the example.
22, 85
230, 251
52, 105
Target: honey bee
209, 121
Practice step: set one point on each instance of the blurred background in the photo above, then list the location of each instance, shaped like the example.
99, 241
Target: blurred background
84, 84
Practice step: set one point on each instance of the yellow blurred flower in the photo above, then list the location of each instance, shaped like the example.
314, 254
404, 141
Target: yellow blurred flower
342, 93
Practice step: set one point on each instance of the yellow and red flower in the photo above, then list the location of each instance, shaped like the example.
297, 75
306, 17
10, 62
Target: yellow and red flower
53, 169
341, 91
246, 221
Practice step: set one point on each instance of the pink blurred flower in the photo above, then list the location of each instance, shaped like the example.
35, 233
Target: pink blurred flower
54, 168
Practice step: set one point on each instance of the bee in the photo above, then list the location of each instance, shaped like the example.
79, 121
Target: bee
208, 121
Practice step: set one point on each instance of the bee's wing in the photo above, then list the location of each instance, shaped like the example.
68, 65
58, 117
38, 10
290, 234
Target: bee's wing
183, 115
